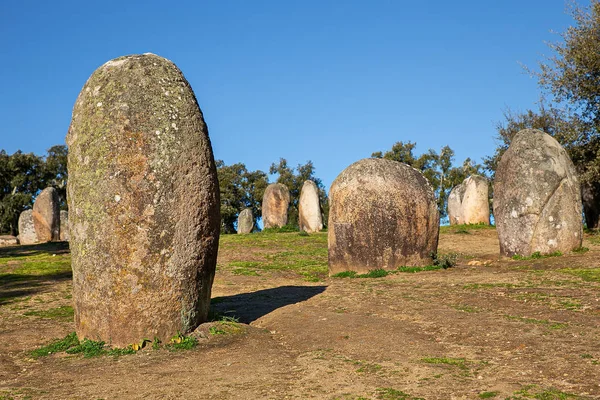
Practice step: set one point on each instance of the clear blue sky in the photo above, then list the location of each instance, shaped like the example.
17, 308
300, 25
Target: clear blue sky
328, 80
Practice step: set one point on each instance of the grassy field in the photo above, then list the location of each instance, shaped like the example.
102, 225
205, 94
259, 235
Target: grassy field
482, 327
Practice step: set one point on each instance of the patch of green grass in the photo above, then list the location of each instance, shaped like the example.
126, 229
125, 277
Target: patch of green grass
271, 252
60, 313
89, 348
536, 256
226, 326
488, 285
545, 322
368, 367
376, 273
459, 362
56, 346
586, 274
581, 250
413, 270
488, 395
461, 228
282, 229
444, 260
182, 342
393, 394
303, 233
535, 392
245, 272
345, 274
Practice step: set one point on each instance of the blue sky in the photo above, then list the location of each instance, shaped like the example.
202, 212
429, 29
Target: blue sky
327, 81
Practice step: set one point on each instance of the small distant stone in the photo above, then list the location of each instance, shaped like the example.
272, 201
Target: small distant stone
276, 201
64, 226
310, 217
27, 233
468, 202
245, 221
46, 215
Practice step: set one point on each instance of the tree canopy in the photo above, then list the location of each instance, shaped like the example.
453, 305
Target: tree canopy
570, 78
23, 176
436, 167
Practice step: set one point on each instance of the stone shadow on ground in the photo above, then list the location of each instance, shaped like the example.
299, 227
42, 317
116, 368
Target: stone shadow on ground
34, 249
248, 307
16, 286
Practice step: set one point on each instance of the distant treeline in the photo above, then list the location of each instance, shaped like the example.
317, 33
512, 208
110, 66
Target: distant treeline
23, 176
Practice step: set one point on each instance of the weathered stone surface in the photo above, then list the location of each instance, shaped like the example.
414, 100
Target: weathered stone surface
46, 215
455, 204
383, 214
8, 240
143, 203
64, 226
475, 202
276, 201
468, 202
537, 197
310, 218
245, 221
26, 229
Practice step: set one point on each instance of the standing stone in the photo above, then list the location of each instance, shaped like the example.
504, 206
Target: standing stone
383, 214
275, 203
455, 204
46, 215
26, 229
468, 202
143, 203
475, 207
310, 218
64, 226
537, 197
245, 221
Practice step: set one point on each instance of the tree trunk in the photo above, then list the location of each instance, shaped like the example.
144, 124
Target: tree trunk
590, 195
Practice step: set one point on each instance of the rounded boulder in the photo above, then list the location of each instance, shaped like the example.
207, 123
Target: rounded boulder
382, 215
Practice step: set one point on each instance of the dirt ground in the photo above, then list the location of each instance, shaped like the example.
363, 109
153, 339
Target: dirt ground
486, 328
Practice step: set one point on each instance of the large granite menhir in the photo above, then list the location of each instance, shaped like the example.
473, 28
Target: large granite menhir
276, 201
382, 215
537, 197
310, 218
143, 203
46, 215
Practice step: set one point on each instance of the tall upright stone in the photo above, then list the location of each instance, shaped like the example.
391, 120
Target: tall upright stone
245, 221
455, 204
143, 203
46, 215
64, 225
275, 203
310, 218
537, 197
468, 202
383, 215
26, 229
475, 202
